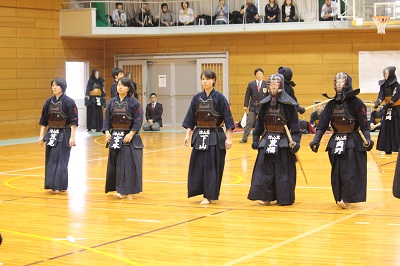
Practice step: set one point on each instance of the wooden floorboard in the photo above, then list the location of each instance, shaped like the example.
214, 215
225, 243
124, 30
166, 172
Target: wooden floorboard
161, 226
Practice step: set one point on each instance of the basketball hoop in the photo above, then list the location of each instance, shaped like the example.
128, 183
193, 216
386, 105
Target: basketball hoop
380, 22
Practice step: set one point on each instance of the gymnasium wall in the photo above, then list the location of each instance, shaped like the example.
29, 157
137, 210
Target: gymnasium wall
32, 53
315, 57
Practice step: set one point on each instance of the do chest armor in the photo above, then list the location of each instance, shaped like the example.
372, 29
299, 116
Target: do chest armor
275, 119
342, 121
206, 116
121, 119
56, 117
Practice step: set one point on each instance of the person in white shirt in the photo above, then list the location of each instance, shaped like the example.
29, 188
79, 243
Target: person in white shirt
329, 11
119, 16
186, 15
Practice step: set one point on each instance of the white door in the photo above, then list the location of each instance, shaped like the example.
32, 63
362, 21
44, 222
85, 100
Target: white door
77, 75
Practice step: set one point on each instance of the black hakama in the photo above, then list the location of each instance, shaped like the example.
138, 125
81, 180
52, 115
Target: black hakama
389, 134
94, 114
349, 169
57, 157
396, 180
274, 175
206, 167
124, 167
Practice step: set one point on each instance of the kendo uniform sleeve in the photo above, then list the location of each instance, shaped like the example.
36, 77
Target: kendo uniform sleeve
137, 114
43, 118
190, 121
107, 118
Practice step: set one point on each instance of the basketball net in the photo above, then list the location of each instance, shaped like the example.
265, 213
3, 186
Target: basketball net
380, 22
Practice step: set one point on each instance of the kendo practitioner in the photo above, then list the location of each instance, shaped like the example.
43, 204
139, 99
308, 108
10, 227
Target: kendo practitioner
346, 150
123, 119
396, 180
287, 74
95, 101
375, 120
274, 173
60, 115
389, 93
207, 112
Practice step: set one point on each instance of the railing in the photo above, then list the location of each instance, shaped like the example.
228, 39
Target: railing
203, 9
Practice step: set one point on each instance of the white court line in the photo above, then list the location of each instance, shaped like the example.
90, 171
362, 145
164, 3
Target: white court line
394, 224
146, 221
362, 223
97, 159
290, 240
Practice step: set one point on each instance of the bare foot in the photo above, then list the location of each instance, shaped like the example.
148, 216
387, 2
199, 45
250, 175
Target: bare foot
263, 202
206, 201
343, 204
119, 196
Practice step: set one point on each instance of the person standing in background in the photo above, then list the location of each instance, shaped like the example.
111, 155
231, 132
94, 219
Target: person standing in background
95, 101
255, 92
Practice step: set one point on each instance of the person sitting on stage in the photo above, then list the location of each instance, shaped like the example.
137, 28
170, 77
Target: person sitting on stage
346, 149
154, 112
274, 173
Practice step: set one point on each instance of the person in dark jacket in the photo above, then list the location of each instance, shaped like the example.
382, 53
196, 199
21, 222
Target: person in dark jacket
255, 92
154, 112
346, 149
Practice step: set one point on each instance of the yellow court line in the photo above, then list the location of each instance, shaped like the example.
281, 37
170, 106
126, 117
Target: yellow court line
239, 178
74, 245
7, 184
100, 137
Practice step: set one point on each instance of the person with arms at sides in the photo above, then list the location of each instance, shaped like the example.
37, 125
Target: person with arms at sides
207, 112
60, 115
288, 11
167, 17
186, 15
123, 119
221, 13
117, 73
375, 120
95, 101
316, 116
154, 112
389, 93
249, 12
135, 92
287, 74
274, 173
329, 11
271, 12
255, 92
119, 16
346, 149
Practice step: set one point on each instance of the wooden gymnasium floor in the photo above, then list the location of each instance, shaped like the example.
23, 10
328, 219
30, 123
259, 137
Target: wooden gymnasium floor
161, 226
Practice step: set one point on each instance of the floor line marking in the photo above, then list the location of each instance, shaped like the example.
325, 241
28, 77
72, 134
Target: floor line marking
74, 245
305, 234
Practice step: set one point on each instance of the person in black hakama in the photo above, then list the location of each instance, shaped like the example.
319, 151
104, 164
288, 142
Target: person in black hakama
60, 115
207, 111
123, 119
347, 152
389, 93
95, 101
274, 172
